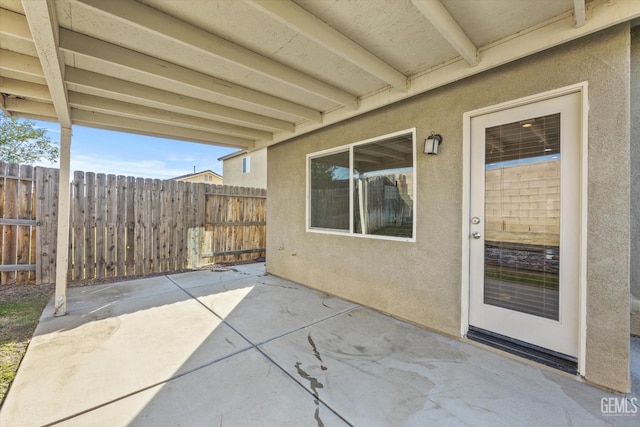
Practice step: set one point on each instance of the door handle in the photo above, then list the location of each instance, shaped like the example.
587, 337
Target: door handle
476, 235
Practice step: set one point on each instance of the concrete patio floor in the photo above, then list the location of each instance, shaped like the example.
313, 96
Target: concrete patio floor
243, 348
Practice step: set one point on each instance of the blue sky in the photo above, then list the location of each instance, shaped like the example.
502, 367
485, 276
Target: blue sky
101, 151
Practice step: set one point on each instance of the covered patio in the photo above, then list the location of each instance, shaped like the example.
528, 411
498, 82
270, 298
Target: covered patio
242, 347
304, 78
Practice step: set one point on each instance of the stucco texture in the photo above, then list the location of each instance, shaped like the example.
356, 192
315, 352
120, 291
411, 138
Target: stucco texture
635, 173
421, 282
257, 175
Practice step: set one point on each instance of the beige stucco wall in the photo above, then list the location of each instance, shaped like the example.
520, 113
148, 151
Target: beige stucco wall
257, 175
202, 178
635, 173
421, 281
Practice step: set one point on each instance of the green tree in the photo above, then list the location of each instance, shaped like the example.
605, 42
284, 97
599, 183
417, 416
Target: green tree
22, 142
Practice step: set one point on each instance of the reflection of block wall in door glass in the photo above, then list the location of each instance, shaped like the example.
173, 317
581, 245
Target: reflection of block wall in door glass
522, 216
523, 203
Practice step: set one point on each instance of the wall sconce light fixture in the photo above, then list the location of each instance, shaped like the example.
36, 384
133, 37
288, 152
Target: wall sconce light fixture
432, 143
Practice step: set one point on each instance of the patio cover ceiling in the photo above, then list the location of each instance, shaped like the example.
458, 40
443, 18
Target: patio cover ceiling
253, 73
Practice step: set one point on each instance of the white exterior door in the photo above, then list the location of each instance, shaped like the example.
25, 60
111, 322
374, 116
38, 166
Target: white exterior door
524, 227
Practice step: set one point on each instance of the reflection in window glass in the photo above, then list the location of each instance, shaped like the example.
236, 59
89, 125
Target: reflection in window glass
365, 188
383, 187
329, 179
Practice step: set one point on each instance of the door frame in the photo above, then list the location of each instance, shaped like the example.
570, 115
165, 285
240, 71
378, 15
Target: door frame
582, 89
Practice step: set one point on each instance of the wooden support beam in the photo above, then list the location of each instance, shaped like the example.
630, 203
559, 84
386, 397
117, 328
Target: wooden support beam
292, 15
42, 19
125, 109
202, 42
14, 25
24, 89
173, 74
111, 87
442, 20
19, 63
142, 127
64, 209
30, 107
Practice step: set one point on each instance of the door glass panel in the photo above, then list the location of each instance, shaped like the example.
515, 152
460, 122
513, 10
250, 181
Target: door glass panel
522, 216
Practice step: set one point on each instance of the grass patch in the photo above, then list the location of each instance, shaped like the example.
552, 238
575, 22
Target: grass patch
20, 310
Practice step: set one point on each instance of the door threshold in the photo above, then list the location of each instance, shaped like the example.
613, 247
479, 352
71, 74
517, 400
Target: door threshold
525, 350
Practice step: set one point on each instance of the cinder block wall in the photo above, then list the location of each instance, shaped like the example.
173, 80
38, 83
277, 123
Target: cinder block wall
523, 199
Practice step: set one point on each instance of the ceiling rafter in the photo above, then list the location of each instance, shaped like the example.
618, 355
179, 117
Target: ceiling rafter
17, 105
202, 88
111, 87
42, 20
191, 37
24, 89
23, 64
80, 44
580, 12
3, 106
14, 25
143, 127
125, 109
442, 20
603, 14
308, 24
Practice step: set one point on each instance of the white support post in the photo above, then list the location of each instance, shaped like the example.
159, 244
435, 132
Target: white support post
62, 247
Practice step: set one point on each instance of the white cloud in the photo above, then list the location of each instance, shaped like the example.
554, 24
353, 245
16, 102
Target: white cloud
143, 168
189, 159
139, 169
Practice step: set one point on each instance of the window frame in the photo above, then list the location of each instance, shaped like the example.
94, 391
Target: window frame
349, 148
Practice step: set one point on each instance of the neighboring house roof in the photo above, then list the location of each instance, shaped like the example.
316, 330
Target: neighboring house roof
232, 155
196, 174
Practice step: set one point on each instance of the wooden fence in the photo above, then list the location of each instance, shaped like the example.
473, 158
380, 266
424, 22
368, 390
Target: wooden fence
125, 226
17, 223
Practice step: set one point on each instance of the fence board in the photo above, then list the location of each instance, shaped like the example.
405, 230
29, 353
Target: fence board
139, 226
9, 234
47, 217
101, 213
121, 223
111, 215
3, 173
180, 228
130, 237
148, 226
78, 221
90, 226
163, 227
171, 224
